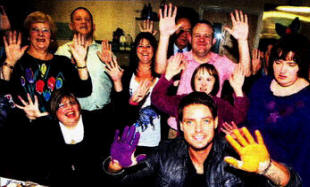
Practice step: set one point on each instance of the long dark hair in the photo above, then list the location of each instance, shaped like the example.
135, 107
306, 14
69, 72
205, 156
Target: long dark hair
134, 60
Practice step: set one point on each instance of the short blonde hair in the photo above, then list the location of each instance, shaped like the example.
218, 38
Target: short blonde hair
40, 17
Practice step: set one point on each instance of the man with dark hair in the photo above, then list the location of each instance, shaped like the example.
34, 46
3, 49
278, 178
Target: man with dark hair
82, 24
199, 157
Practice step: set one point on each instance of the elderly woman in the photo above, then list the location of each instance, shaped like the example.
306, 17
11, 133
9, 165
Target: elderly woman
71, 144
33, 73
35, 70
280, 105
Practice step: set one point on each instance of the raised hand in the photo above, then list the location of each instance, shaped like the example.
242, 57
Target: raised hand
254, 155
167, 20
5, 22
141, 92
31, 109
148, 26
228, 128
256, 60
106, 54
123, 148
114, 70
13, 49
175, 65
236, 80
79, 50
240, 26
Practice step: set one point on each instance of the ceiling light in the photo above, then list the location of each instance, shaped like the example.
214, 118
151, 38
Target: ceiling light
300, 9
284, 15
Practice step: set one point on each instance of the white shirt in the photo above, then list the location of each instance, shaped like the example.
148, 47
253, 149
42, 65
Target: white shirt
73, 135
150, 136
101, 82
176, 49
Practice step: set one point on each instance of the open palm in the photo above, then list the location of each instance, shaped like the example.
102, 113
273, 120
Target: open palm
79, 49
13, 49
240, 27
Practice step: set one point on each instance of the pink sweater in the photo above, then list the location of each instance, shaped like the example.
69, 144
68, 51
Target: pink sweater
222, 64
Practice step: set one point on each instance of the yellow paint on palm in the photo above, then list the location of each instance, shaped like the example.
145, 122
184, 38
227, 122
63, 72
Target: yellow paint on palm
254, 155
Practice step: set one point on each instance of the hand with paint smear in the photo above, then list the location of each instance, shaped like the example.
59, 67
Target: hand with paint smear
254, 155
123, 147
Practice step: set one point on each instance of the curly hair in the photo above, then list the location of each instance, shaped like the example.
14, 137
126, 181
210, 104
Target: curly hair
40, 17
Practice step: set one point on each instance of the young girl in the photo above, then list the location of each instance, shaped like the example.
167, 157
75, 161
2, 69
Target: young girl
205, 79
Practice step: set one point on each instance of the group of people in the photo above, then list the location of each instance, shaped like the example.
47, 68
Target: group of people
70, 104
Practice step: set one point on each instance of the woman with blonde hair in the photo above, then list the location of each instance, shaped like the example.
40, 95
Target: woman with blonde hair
34, 72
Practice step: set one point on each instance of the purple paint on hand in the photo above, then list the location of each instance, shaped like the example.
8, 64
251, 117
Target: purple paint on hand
123, 147
141, 157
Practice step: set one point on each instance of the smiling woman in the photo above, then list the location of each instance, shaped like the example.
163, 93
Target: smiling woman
138, 82
77, 138
66, 108
38, 71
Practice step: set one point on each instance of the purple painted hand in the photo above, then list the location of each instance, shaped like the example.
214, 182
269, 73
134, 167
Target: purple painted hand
124, 147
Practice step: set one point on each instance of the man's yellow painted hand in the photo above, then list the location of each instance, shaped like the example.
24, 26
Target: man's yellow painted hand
254, 155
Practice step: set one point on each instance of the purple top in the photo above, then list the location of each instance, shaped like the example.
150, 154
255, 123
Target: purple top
226, 112
284, 124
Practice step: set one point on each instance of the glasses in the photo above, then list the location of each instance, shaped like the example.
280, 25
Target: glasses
65, 105
43, 30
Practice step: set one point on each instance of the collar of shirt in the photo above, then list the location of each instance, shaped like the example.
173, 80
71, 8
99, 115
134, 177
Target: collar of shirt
213, 57
176, 49
73, 135
94, 43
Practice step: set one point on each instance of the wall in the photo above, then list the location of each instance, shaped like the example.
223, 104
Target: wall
108, 15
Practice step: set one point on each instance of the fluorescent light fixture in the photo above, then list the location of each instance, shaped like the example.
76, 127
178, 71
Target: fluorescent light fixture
285, 15
299, 9
218, 36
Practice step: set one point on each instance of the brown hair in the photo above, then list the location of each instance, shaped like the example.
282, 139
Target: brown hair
57, 97
212, 72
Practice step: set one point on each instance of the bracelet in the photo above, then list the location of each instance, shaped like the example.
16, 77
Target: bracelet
83, 67
267, 168
8, 65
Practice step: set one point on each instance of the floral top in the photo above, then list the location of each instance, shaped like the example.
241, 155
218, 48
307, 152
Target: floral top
43, 77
